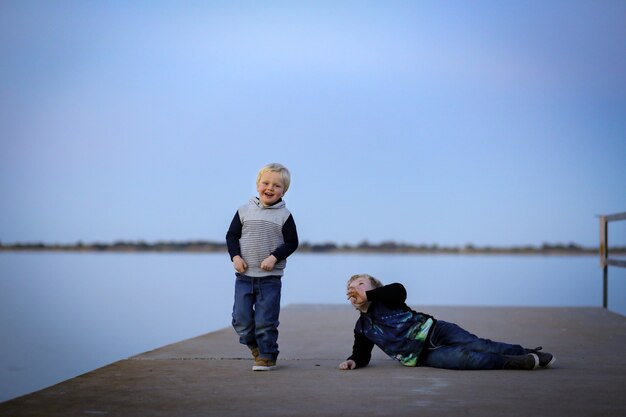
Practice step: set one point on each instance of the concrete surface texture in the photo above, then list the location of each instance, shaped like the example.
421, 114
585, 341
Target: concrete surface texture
211, 375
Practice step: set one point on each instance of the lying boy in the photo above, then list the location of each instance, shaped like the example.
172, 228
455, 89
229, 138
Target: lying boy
418, 339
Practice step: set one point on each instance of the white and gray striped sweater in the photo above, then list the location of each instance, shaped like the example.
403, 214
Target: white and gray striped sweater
258, 231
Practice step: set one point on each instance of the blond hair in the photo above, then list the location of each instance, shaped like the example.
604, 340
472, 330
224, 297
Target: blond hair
285, 176
375, 282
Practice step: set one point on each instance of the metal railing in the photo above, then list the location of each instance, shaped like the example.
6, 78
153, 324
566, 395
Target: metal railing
605, 260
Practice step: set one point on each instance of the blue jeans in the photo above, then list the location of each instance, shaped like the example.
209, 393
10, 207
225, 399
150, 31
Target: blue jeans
255, 313
452, 347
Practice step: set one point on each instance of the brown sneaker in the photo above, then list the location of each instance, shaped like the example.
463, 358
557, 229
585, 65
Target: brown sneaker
255, 352
263, 364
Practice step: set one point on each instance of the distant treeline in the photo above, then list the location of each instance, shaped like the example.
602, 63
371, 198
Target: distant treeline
364, 247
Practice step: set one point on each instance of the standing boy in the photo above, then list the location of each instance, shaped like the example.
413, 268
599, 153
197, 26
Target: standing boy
261, 236
418, 339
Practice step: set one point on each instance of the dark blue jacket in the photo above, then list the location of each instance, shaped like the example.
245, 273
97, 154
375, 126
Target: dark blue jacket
392, 326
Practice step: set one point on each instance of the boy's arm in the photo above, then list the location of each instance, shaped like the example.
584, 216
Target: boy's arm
290, 236
361, 350
233, 235
392, 295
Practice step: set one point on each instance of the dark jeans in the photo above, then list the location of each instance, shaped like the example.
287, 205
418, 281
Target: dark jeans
255, 313
452, 347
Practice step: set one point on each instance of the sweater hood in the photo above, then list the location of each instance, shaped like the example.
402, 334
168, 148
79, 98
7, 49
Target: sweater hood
279, 204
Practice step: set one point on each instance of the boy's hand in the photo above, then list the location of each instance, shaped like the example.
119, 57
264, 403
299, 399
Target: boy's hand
239, 264
347, 365
357, 296
268, 263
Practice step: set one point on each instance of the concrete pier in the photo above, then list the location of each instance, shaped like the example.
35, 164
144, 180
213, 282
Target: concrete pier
211, 375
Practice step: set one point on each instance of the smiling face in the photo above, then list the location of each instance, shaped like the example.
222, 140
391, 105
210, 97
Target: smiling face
270, 187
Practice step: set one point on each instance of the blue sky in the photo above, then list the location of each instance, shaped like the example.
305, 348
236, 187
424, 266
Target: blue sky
484, 122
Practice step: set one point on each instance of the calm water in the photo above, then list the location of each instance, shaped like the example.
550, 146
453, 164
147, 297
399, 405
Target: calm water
63, 314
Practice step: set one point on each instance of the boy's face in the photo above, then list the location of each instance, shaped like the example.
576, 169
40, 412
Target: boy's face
356, 292
270, 188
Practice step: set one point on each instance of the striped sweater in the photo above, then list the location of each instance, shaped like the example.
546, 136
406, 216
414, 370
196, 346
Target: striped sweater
257, 231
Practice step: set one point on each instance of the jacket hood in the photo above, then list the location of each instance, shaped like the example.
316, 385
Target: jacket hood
279, 204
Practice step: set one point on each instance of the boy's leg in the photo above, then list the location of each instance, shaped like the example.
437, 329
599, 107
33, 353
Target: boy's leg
452, 347
450, 334
243, 310
267, 310
458, 357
